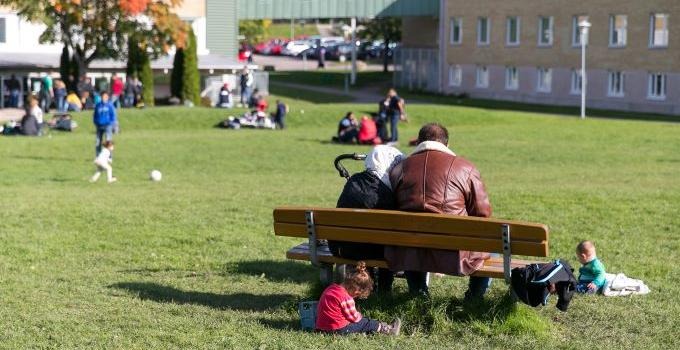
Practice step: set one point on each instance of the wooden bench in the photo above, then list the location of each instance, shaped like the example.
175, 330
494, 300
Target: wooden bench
408, 229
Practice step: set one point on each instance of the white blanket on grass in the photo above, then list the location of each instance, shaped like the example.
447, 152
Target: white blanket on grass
620, 285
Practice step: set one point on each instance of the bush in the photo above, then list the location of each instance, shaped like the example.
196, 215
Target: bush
177, 77
191, 81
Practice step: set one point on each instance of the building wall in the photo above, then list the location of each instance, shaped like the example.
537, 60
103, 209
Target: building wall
636, 59
420, 32
23, 36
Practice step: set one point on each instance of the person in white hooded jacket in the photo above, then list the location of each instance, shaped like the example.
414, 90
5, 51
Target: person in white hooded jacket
370, 189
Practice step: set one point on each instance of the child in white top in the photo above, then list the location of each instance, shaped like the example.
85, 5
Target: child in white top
103, 163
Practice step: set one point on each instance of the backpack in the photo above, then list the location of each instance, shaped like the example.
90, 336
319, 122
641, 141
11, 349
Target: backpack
532, 283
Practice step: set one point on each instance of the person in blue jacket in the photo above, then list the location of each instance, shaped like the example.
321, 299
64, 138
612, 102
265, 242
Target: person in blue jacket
104, 119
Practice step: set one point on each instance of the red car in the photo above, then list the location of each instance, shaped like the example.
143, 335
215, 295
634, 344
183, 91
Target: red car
271, 47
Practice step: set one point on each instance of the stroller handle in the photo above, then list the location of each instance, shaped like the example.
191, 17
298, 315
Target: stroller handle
341, 169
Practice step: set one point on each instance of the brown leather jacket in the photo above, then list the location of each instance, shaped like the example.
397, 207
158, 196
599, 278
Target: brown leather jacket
435, 180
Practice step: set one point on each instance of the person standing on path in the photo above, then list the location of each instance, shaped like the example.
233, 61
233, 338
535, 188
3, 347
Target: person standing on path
395, 112
247, 81
46, 93
104, 119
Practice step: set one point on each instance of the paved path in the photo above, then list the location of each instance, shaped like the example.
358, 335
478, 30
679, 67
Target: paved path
286, 63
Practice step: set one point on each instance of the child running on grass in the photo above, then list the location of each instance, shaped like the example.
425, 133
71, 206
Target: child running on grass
591, 277
336, 312
103, 163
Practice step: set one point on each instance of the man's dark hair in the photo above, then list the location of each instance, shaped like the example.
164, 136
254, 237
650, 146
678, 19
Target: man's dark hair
433, 132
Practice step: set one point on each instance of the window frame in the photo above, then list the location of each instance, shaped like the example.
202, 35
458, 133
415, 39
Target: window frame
508, 86
576, 31
622, 81
455, 70
652, 77
478, 82
652, 31
551, 26
452, 22
479, 31
539, 75
612, 30
576, 82
518, 31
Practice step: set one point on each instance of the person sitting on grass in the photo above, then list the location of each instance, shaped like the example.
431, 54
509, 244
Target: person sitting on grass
103, 163
336, 312
368, 132
73, 103
32, 121
591, 277
348, 129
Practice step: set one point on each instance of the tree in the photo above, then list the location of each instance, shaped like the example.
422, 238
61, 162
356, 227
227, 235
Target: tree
387, 29
100, 29
176, 79
254, 31
191, 80
139, 65
65, 67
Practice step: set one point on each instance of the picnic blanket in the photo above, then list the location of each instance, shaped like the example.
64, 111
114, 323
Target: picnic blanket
619, 285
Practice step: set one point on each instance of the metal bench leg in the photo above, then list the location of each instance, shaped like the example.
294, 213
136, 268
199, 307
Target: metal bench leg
507, 254
326, 274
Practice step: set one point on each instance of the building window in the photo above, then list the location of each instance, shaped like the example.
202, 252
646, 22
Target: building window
657, 86
512, 31
576, 81
455, 75
576, 31
483, 30
658, 31
456, 31
482, 77
3, 30
615, 84
618, 30
545, 31
511, 78
544, 80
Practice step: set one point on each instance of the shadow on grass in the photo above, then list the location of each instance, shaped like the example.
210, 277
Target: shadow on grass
237, 301
281, 323
275, 271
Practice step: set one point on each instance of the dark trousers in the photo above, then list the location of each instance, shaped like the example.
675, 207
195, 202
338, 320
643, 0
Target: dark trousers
417, 284
349, 136
280, 122
364, 251
365, 325
102, 131
382, 127
394, 125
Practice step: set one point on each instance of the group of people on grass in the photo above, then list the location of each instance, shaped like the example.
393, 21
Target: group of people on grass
434, 179
373, 130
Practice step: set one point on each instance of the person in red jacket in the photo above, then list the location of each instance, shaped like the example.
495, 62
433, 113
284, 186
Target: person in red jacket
116, 90
368, 132
337, 313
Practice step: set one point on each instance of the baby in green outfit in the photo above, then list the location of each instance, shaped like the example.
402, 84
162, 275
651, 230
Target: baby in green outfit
591, 277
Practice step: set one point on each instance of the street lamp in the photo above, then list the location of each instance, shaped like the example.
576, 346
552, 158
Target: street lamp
583, 27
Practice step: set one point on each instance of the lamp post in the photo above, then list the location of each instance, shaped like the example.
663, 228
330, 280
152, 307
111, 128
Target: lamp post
583, 27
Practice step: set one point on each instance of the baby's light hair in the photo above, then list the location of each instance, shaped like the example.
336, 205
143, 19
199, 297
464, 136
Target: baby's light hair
359, 282
585, 247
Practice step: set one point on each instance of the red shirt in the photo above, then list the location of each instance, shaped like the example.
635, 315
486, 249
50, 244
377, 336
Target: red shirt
335, 309
117, 87
368, 130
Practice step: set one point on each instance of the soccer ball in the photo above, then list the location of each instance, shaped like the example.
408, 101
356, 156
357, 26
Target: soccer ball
155, 175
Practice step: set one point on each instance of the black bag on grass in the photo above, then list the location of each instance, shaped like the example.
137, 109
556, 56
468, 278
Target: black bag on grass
532, 283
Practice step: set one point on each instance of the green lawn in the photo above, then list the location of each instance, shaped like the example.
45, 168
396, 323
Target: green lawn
282, 30
335, 79
192, 262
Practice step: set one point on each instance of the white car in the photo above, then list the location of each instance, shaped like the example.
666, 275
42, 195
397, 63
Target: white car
294, 48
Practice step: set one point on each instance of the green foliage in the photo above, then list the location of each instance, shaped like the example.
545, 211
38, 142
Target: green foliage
191, 86
177, 76
192, 262
146, 77
388, 29
253, 31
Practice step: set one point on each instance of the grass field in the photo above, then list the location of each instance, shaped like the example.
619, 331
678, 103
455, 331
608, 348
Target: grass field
282, 30
192, 262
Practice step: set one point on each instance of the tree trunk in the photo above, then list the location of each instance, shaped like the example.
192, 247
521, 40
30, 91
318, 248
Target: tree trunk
385, 58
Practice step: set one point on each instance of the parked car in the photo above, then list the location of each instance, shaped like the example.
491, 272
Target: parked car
271, 47
294, 48
339, 52
244, 53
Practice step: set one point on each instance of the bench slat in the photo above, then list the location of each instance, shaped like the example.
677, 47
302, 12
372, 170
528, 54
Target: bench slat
493, 267
411, 239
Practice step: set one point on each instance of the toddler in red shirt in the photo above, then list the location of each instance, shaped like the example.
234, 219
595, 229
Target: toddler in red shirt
337, 313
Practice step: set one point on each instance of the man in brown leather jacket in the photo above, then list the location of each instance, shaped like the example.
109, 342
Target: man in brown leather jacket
434, 179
